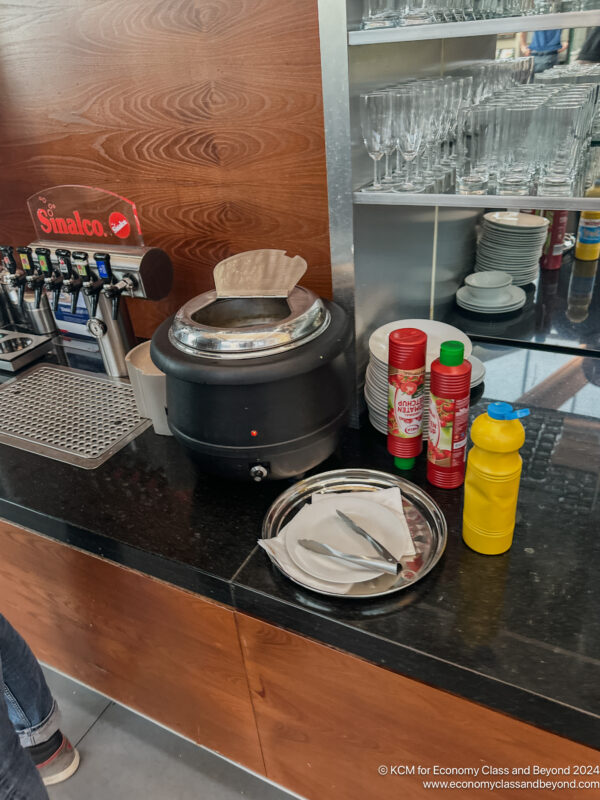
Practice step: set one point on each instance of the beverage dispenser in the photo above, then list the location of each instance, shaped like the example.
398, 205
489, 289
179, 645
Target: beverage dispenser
103, 278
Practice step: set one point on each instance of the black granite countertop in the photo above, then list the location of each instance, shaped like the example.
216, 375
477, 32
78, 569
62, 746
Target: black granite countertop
519, 633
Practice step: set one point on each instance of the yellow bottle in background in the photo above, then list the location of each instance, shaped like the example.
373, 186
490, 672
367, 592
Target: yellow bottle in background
587, 246
492, 479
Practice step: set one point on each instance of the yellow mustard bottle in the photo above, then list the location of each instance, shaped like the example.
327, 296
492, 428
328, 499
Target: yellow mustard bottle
492, 479
587, 246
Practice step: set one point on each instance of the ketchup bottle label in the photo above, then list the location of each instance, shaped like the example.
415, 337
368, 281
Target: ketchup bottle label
448, 425
405, 401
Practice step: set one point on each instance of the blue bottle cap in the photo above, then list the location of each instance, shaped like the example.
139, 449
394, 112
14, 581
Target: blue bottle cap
505, 411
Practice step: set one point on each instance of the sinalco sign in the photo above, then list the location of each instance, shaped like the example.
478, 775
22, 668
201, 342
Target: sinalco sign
84, 213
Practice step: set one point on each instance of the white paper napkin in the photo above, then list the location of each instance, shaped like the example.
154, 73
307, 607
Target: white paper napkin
277, 552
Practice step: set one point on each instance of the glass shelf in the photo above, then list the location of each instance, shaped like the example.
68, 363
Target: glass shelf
475, 201
480, 27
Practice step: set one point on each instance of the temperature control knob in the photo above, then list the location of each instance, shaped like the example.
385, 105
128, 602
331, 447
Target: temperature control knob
258, 472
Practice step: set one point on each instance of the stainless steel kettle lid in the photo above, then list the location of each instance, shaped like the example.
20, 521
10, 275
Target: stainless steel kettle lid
256, 310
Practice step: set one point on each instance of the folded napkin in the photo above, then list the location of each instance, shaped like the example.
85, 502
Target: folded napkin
277, 551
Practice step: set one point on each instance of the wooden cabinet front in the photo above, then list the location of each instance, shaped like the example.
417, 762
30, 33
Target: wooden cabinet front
162, 651
313, 719
328, 721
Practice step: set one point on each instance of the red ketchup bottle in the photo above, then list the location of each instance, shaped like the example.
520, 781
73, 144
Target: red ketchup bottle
406, 395
450, 387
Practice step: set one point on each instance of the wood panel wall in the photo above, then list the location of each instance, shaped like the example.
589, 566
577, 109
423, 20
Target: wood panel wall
206, 113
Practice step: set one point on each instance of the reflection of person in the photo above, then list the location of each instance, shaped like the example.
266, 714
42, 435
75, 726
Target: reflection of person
590, 49
544, 47
33, 751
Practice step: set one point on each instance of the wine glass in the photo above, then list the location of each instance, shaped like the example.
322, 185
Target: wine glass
376, 127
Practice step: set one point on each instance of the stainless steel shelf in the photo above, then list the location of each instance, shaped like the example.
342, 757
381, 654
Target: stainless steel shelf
483, 27
475, 201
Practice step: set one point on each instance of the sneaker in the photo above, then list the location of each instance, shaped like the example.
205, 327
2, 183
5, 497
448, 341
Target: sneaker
58, 764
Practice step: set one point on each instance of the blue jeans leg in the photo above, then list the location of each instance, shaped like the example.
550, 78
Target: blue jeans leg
31, 708
28, 716
542, 63
19, 778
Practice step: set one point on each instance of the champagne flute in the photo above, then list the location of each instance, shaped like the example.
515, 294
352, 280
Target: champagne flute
408, 121
376, 127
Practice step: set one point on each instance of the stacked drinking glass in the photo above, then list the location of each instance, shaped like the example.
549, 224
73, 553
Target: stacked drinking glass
398, 13
531, 139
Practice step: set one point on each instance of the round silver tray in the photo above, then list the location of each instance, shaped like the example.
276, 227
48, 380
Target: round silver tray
425, 520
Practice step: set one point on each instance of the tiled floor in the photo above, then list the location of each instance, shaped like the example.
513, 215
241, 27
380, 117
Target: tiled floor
126, 756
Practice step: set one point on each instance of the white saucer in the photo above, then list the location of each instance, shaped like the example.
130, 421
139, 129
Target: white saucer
495, 311
517, 299
504, 297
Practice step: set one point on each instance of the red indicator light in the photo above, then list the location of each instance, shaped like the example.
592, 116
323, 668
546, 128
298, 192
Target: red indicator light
253, 433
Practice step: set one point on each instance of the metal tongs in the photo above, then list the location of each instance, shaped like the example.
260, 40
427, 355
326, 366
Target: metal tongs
387, 563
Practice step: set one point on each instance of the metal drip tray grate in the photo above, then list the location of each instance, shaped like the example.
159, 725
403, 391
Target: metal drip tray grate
68, 415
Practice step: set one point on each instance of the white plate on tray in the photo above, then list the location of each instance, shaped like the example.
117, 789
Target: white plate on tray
320, 522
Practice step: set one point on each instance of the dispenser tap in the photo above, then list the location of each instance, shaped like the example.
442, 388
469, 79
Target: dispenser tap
33, 276
71, 282
127, 284
52, 276
16, 278
92, 285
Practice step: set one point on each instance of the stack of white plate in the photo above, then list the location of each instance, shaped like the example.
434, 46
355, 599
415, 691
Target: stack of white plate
376, 395
512, 242
376, 376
